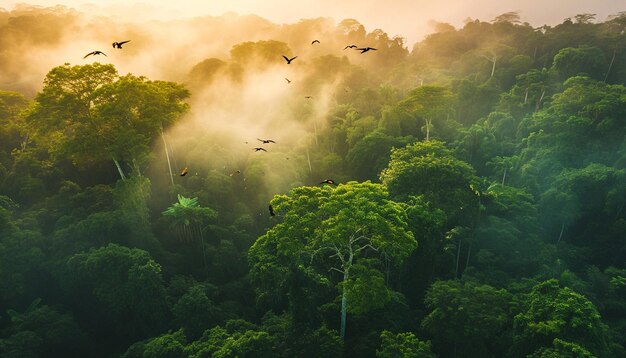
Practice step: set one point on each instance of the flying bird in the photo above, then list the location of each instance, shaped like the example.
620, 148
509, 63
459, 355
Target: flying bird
235, 172
266, 141
365, 49
308, 97
119, 44
289, 59
315, 41
329, 181
259, 149
350, 46
271, 210
287, 79
95, 53
184, 172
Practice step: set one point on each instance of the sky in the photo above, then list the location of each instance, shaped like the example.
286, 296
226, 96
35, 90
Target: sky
410, 19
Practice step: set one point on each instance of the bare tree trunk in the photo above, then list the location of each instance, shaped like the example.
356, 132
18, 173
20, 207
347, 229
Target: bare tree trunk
308, 159
610, 66
119, 169
543, 92
526, 96
344, 305
469, 250
428, 123
458, 254
504, 176
167, 155
561, 233
203, 252
493, 68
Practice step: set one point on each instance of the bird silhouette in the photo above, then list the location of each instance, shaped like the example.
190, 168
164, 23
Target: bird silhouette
289, 59
259, 149
266, 141
184, 172
365, 49
329, 181
95, 53
315, 41
235, 172
309, 97
350, 46
287, 79
271, 210
119, 44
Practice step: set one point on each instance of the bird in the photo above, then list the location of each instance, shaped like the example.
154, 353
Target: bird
119, 44
315, 41
350, 46
309, 97
271, 210
258, 149
266, 141
289, 59
235, 172
287, 79
95, 53
329, 181
184, 172
365, 49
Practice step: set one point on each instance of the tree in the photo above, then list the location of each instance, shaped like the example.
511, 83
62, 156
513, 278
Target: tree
403, 345
121, 289
429, 103
552, 312
328, 230
430, 169
571, 61
466, 317
90, 113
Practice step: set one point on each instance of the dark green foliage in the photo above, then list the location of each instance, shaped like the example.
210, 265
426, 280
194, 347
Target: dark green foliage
497, 228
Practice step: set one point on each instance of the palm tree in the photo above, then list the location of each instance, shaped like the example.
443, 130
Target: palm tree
188, 218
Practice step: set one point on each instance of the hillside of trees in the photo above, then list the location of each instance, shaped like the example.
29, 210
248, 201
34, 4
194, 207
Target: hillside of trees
477, 211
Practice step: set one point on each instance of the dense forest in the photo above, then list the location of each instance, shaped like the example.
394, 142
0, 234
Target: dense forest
461, 197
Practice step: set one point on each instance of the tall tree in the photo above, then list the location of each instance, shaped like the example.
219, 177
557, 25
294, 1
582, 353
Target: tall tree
333, 230
89, 113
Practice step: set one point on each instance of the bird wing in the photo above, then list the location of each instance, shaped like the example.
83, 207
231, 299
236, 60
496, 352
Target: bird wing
286, 58
270, 141
371, 48
123, 42
89, 54
314, 41
103, 53
115, 43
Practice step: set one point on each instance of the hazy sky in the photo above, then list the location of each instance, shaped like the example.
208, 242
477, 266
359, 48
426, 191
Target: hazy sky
407, 18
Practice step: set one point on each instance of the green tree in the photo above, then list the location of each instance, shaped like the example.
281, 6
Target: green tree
89, 113
466, 317
404, 345
552, 312
429, 169
429, 103
329, 230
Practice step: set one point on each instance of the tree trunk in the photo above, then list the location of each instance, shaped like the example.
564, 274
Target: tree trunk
428, 122
493, 68
308, 159
458, 254
469, 250
610, 66
344, 305
167, 155
526, 96
119, 169
504, 176
203, 252
561, 233
543, 92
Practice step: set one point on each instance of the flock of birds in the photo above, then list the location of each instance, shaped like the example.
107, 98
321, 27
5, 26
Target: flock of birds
185, 170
